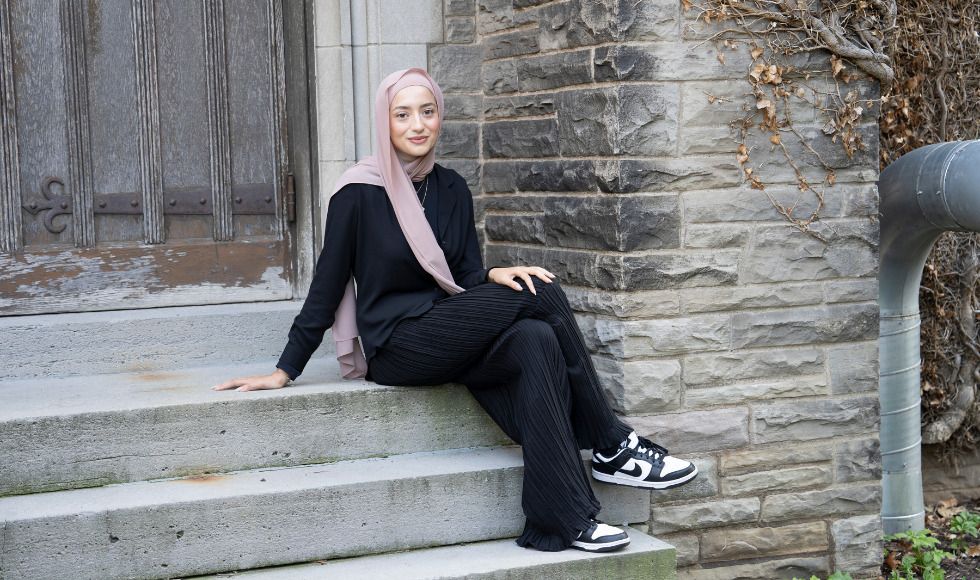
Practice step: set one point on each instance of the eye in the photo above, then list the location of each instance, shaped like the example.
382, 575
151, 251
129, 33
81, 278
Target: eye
428, 112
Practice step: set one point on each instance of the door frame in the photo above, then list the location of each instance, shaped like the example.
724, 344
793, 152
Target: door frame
303, 162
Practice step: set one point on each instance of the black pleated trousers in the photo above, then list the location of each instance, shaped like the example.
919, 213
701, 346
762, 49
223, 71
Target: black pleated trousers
523, 357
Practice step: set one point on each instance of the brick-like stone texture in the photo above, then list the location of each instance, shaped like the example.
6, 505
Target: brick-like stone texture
806, 420
720, 545
755, 296
696, 431
713, 368
786, 568
460, 8
781, 456
705, 485
858, 461
729, 394
530, 138
641, 386
841, 323
494, 15
666, 519
527, 229
456, 68
632, 120
463, 107
657, 175
854, 368
780, 254
858, 543
830, 502
560, 69
688, 549
499, 77
778, 479
458, 140
716, 236
671, 336
624, 304
622, 223
460, 30
519, 106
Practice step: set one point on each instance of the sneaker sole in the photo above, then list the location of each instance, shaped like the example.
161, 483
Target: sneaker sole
630, 482
605, 547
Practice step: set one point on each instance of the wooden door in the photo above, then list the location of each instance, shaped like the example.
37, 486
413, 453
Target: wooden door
143, 159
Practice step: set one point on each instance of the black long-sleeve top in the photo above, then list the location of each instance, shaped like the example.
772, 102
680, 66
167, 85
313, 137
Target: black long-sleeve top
363, 236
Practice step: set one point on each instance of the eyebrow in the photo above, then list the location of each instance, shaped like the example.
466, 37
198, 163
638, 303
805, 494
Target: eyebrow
409, 108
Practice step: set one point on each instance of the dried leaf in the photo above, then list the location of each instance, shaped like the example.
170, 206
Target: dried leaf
831, 178
743, 149
763, 104
973, 551
837, 65
757, 52
687, 5
721, 58
712, 98
800, 92
776, 139
757, 71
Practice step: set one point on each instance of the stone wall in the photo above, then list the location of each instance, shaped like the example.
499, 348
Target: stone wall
585, 130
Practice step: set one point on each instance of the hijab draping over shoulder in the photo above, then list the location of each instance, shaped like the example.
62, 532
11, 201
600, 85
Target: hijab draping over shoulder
385, 169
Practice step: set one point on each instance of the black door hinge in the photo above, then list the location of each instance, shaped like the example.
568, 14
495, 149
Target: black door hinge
290, 199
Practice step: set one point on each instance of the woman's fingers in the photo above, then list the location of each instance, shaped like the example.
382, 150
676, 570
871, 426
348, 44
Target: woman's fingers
527, 280
230, 384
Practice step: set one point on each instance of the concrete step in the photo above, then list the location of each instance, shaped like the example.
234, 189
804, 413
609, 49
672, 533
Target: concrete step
86, 431
645, 558
256, 519
147, 339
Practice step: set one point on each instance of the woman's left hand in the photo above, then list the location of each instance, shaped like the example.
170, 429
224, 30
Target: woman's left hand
507, 276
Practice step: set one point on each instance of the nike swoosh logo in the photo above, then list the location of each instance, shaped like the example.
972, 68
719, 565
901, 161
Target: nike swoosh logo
635, 472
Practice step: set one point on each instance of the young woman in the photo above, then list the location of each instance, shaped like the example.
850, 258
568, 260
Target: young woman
429, 313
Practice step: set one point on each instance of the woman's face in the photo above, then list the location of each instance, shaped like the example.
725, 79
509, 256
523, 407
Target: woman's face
413, 119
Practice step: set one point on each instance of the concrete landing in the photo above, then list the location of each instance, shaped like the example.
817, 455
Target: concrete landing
86, 431
645, 558
145, 339
265, 518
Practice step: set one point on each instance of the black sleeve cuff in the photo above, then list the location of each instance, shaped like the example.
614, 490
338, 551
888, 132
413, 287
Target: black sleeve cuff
293, 373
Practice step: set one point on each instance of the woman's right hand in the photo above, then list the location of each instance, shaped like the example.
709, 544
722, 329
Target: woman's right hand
276, 380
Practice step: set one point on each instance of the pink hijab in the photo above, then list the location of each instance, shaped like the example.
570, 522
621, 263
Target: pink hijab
385, 169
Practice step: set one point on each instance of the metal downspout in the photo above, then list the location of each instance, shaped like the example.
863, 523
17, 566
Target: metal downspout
932, 190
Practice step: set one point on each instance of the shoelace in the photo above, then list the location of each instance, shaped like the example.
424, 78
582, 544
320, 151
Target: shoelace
650, 449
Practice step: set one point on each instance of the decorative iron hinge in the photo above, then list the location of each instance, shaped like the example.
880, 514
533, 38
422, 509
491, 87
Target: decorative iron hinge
54, 204
290, 198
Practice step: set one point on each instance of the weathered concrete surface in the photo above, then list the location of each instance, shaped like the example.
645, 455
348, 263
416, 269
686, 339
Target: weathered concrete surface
76, 432
645, 558
262, 518
150, 339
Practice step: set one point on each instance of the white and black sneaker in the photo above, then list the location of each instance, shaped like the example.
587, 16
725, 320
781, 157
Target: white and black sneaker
638, 462
601, 538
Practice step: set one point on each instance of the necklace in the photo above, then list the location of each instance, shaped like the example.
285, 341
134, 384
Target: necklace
426, 193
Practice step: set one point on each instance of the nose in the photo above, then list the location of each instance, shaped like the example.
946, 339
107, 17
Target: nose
417, 124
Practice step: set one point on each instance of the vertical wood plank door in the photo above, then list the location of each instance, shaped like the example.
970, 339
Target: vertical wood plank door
143, 154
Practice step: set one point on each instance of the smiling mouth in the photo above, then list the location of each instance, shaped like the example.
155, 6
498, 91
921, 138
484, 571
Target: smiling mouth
418, 140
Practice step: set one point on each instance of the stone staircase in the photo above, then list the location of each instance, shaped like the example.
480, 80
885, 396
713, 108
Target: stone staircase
149, 474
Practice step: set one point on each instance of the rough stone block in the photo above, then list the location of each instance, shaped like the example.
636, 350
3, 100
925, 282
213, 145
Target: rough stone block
672, 336
517, 43
519, 106
623, 305
745, 204
679, 270
756, 296
459, 140
668, 62
631, 120
854, 368
527, 229
716, 368
456, 68
530, 138
716, 236
688, 549
655, 175
641, 386
861, 201
560, 69
780, 253
810, 386
708, 141
789, 568
852, 291
468, 169
700, 111
564, 25
494, 15
523, 203
705, 485
858, 461
807, 420
460, 30
778, 457
827, 502
840, 323
499, 77
779, 479
721, 545
858, 543
557, 176
463, 107
648, 21
713, 514
774, 167
696, 431
460, 8
613, 222
571, 267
